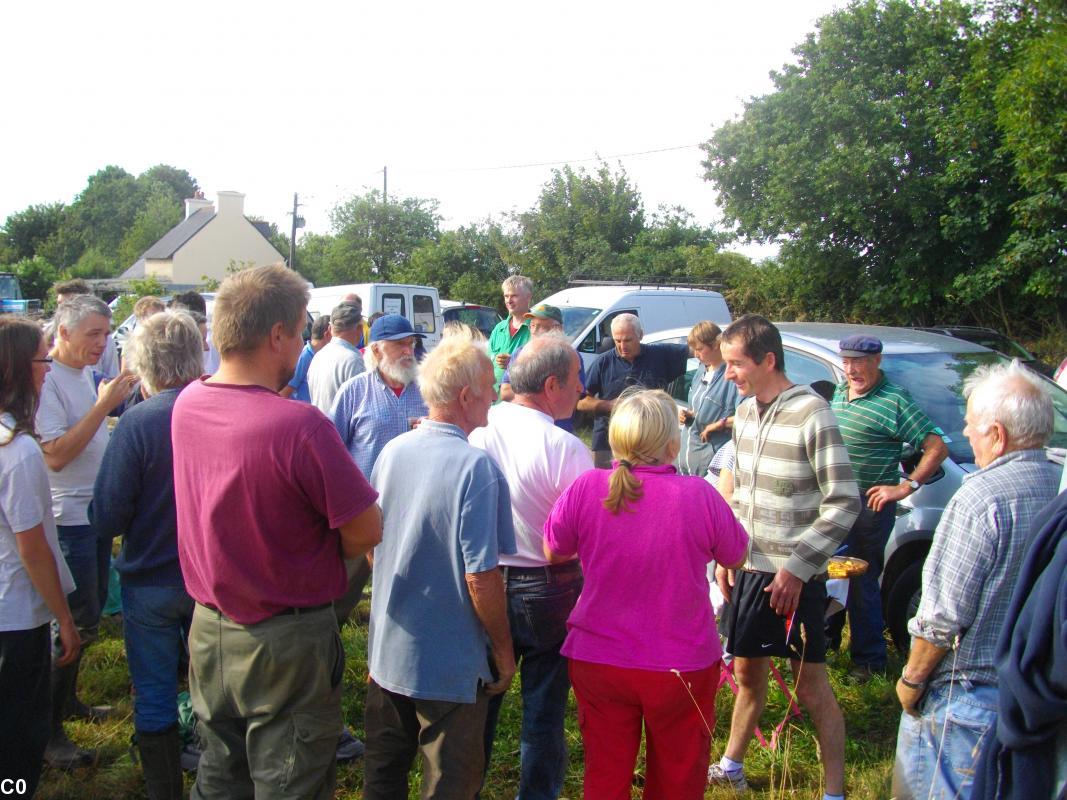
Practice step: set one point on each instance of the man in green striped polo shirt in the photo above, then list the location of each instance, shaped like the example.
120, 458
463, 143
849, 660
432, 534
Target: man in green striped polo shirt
876, 418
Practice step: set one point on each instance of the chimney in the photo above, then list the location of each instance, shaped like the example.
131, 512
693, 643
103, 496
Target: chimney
231, 203
195, 203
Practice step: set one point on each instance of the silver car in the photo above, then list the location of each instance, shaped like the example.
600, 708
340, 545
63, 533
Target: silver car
932, 368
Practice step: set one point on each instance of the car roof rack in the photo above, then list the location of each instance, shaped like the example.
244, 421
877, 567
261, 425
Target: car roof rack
647, 281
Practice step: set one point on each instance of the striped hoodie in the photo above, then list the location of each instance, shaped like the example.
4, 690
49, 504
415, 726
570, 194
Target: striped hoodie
794, 490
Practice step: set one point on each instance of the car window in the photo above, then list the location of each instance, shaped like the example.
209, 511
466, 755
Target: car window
575, 319
393, 304
935, 381
804, 368
481, 318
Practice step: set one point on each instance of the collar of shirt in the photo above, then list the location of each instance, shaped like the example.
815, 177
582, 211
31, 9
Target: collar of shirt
1007, 458
441, 428
381, 381
654, 469
346, 343
842, 388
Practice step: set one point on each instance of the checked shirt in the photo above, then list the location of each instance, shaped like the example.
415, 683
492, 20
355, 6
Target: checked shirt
977, 551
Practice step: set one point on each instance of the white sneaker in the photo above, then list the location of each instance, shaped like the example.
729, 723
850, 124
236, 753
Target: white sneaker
735, 779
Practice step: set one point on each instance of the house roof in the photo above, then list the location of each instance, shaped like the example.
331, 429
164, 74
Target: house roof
136, 270
179, 235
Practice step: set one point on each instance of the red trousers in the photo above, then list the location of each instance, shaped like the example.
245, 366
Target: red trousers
612, 704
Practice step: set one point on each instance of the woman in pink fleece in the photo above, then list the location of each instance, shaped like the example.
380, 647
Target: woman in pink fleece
642, 641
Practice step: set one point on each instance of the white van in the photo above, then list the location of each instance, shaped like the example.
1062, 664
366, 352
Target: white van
420, 304
589, 310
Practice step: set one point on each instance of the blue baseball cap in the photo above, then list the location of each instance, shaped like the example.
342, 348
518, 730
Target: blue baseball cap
392, 327
859, 346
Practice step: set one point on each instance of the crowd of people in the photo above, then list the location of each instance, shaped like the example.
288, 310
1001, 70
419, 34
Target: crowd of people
258, 482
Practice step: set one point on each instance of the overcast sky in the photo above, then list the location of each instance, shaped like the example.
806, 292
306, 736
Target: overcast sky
273, 98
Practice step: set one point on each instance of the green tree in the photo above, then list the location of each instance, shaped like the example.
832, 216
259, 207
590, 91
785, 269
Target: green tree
36, 277
582, 224
373, 239
466, 264
176, 183
106, 209
26, 231
843, 163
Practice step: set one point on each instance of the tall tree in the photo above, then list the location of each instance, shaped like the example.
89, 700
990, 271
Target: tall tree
373, 238
582, 224
25, 231
842, 162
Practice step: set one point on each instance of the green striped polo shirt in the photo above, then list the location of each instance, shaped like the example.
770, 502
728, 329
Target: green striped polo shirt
874, 428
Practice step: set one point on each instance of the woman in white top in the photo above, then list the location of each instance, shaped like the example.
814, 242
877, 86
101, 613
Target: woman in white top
34, 579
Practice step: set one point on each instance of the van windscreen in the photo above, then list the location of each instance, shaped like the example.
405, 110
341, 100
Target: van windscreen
576, 319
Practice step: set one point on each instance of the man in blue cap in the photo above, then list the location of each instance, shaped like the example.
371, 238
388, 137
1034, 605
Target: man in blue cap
369, 411
876, 418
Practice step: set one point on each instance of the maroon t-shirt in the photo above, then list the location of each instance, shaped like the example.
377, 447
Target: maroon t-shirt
261, 485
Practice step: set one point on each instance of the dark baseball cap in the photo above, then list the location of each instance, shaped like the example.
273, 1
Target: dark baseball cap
859, 346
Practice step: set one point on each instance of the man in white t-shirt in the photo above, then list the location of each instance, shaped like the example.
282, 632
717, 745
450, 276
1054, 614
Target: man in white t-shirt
539, 461
339, 359
71, 421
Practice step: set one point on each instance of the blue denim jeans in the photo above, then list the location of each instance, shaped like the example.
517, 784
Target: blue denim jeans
867, 540
89, 560
539, 602
155, 625
937, 752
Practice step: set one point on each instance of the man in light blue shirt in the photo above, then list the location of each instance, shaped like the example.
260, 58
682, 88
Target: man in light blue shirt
297, 388
439, 642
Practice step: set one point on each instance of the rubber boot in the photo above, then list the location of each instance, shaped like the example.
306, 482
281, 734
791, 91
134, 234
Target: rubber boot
61, 752
76, 709
161, 764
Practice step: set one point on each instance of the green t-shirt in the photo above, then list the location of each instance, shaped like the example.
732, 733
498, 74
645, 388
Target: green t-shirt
502, 341
874, 428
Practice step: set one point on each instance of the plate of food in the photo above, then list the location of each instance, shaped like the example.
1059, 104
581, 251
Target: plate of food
846, 567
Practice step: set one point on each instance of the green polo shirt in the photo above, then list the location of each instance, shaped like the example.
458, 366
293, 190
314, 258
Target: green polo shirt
874, 428
501, 341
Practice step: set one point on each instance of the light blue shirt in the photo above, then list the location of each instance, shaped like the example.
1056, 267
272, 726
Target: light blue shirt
447, 513
299, 382
368, 415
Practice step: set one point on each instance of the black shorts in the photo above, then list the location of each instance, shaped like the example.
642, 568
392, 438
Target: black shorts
754, 630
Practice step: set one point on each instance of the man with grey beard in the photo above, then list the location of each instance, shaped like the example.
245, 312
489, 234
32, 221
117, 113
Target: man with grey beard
369, 410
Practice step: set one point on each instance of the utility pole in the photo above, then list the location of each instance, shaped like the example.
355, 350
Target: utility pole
298, 222
385, 185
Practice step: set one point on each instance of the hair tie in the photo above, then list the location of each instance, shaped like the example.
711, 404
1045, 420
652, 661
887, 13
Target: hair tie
624, 463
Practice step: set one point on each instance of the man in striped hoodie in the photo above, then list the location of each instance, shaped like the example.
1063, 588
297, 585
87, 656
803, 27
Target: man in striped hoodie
795, 494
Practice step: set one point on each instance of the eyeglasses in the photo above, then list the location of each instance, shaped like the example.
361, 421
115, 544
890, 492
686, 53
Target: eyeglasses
42, 360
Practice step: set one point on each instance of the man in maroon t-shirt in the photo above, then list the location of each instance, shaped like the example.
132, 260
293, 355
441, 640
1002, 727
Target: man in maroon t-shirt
269, 506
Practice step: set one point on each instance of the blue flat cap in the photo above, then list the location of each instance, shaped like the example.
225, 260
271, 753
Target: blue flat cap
392, 327
859, 346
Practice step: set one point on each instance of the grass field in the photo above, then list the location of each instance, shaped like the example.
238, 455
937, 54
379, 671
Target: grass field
791, 771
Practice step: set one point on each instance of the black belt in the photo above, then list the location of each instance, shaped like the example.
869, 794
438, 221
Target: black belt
294, 610
548, 572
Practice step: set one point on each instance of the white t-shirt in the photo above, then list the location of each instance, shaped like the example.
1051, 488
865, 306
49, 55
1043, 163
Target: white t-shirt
67, 396
211, 356
540, 461
25, 503
334, 364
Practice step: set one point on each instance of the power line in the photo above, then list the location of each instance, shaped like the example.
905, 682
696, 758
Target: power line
562, 161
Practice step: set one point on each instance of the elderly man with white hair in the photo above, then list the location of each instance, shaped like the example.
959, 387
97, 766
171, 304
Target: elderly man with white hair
71, 423
967, 584
439, 641
540, 461
630, 363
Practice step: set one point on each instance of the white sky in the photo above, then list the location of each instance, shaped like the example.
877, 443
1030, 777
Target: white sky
271, 98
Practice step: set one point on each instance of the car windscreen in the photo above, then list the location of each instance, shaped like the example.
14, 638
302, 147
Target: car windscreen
935, 381
576, 318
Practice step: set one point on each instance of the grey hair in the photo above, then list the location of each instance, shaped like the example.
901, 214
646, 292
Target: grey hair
166, 351
547, 355
459, 360
371, 357
72, 313
1016, 398
628, 319
518, 283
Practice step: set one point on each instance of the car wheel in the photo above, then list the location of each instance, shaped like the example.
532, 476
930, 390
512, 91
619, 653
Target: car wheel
902, 603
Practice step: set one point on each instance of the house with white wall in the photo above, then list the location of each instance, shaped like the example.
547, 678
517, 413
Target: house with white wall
206, 243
